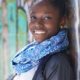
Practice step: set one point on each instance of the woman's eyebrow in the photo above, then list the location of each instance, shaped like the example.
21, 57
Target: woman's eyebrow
44, 13
32, 13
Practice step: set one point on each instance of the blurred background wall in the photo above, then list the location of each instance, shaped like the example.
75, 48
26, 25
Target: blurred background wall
14, 32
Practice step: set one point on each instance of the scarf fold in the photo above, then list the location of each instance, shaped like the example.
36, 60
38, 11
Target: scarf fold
29, 57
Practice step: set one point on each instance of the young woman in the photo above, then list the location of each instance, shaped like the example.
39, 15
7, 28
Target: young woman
47, 57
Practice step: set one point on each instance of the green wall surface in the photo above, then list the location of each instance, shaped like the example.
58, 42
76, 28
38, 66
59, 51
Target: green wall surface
17, 36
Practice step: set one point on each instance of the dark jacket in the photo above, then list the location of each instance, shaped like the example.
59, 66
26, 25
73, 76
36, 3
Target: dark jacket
55, 67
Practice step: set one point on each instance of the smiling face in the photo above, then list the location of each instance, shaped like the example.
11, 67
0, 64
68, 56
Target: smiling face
45, 21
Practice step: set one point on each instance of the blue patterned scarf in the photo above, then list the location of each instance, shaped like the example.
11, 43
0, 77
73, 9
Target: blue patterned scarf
30, 56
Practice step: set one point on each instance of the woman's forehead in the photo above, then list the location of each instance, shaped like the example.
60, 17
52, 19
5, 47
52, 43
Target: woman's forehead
40, 2
44, 10
43, 6
34, 2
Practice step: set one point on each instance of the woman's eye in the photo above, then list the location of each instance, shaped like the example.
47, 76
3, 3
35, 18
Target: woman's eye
33, 18
47, 18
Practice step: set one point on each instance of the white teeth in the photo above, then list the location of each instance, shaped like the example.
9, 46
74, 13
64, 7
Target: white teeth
39, 32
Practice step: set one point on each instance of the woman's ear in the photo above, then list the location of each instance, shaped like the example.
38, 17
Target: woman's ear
63, 21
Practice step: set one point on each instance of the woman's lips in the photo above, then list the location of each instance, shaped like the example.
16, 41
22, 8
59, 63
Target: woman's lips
39, 32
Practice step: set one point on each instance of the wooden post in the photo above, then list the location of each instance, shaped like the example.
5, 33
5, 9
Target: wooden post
5, 42
1, 44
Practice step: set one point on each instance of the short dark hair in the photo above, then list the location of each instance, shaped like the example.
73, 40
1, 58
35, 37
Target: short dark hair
62, 5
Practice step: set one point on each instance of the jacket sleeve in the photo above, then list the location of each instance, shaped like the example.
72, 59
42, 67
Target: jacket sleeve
58, 68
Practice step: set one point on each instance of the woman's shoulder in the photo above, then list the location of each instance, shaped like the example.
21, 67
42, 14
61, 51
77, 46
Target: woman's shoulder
58, 64
54, 67
58, 59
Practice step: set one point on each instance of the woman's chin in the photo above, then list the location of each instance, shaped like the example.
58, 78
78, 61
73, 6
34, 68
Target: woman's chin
39, 40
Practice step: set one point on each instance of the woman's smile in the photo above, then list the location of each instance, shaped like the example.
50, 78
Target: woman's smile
39, 32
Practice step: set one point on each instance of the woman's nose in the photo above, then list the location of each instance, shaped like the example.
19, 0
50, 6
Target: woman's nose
39, 23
